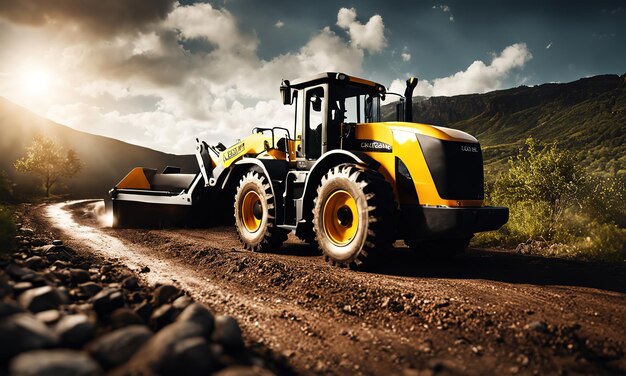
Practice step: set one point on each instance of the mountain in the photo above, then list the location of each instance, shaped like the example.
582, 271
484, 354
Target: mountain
587, 116
106, 160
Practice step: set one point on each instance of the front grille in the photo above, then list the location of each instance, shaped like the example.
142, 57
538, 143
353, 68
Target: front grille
456, 168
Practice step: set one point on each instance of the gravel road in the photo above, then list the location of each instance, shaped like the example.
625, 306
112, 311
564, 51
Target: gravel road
486, 312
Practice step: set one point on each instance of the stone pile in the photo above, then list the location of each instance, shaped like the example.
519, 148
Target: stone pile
64, 314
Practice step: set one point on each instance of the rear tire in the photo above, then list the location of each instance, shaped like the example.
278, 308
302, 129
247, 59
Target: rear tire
255, 212
353, 214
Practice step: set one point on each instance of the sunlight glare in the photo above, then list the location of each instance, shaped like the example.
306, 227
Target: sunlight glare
35, 81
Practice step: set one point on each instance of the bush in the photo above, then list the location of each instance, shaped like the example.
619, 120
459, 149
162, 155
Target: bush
6, 187
558, 207
546, 179
7, 231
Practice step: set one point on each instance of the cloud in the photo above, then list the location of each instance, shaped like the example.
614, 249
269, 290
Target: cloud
192, 72
92, 16
405, 55
279, 24
477, 78
370, 36
445, 9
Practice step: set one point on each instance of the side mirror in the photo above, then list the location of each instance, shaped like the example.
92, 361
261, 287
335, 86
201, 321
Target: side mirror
285, 92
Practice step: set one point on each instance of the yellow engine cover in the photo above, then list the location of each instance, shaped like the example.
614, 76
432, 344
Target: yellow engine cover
400, 137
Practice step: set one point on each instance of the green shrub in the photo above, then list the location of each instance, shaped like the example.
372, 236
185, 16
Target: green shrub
546, 179
558, 207
605, 242
7, 231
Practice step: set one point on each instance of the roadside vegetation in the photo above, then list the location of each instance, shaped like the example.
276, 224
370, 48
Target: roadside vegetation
7, 227
49, 161
557, 207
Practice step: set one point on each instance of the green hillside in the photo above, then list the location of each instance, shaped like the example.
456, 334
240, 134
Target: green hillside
106, 160
587, 116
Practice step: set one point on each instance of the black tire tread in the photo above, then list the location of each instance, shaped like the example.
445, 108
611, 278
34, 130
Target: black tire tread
273, 236
380, 206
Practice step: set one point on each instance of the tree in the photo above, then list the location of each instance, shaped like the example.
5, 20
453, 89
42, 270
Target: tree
49, 161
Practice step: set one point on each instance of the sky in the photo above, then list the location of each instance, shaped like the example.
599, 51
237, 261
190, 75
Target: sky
159, 73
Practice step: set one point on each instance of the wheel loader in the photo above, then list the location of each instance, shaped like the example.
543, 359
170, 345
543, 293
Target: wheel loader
338, 177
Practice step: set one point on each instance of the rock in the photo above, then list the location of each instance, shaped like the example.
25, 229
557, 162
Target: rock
244, 371
537, 326
54, 254
107, 301
35, 262
26, 231
49, 317
54, 362
86, 308
228, 334
164, 315
193, 355
5, 284
122, 317
144, 310
59, 264
17, 272
117, 347
9, 307
164, 294
130, 283
157, 355
42, 298
106, 269
182, 302
200, 315
75, 330
57, 243
45, 248
22, 332
79, 275
36, 279
20, 287
90, 288
135, 297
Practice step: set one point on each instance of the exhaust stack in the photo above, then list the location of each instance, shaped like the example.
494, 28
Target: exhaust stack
411, 83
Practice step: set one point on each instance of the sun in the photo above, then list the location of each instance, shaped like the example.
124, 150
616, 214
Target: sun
35, 81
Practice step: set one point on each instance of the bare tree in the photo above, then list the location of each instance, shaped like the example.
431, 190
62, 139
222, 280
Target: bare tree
49, 161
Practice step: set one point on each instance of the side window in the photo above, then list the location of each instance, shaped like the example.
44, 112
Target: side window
314, 121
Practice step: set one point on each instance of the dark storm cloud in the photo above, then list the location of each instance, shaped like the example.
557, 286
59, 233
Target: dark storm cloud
92, 16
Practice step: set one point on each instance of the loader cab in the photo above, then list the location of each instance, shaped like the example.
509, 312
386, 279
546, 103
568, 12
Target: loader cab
326, 106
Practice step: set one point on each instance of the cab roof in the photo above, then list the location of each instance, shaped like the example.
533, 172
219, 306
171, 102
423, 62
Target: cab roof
336, 77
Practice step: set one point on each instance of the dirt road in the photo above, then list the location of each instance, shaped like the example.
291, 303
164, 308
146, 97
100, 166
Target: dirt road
486, 312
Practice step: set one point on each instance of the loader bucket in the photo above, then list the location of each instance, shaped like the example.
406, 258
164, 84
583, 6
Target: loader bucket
145, 198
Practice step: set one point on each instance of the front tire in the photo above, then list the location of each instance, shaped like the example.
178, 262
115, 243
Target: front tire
353, 214
255, 212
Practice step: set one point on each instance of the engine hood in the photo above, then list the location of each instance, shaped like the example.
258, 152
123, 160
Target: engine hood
441, 133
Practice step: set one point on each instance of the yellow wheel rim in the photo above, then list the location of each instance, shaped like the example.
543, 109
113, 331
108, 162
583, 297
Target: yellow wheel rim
251, 211
340, 218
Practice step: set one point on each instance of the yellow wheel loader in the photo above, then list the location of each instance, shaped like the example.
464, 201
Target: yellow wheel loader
339, 177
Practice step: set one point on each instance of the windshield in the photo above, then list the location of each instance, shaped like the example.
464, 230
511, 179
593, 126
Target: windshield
354, 105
